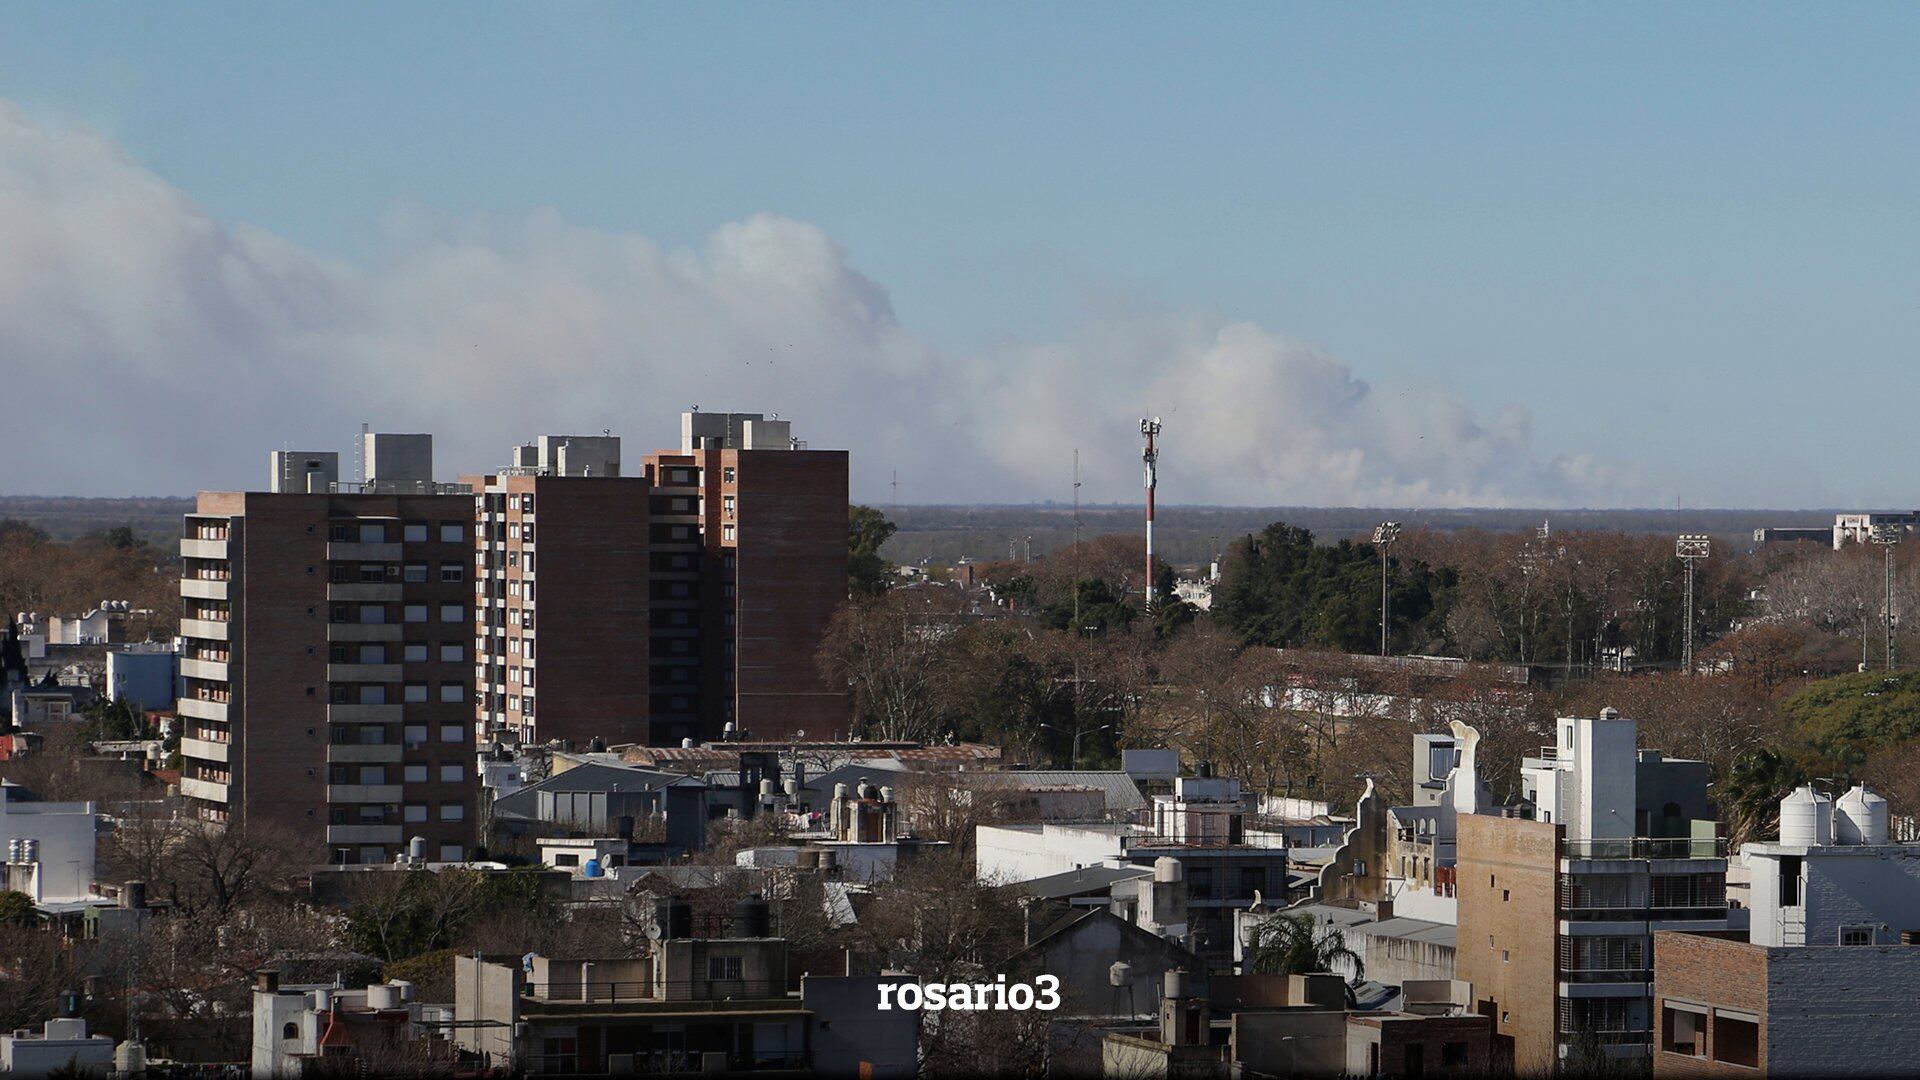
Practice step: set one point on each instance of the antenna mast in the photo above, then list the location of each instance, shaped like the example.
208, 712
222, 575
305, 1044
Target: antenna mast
1150, 459
1076, 543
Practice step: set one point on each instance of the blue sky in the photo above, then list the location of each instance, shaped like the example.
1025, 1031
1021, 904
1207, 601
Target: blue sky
1680, 238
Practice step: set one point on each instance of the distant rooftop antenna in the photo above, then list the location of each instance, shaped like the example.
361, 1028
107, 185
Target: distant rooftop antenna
1150, 459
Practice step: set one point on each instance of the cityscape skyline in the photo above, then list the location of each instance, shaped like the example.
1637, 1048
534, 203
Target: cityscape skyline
1388, 279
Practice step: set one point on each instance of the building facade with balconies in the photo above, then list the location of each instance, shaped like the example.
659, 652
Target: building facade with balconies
1557, 909
325, 669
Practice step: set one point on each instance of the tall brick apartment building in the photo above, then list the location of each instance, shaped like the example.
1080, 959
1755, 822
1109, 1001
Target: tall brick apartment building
663, 605
347, 645
325, 633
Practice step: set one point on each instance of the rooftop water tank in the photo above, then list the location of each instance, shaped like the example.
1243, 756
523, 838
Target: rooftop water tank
1861, 817
1806, 817
592, 869
1120, 974
1167, 868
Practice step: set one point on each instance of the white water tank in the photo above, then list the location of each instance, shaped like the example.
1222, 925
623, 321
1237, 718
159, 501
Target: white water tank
1861, 817
1167, 869
1806, 817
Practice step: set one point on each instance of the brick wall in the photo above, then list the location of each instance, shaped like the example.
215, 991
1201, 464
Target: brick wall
1508, 874
1710, 971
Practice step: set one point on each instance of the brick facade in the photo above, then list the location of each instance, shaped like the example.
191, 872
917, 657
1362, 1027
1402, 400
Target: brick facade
1507, 880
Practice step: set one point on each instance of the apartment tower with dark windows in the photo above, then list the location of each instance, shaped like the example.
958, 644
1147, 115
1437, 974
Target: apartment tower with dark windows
326, 632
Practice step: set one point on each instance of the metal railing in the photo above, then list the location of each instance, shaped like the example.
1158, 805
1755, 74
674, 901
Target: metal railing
651, 1062
1645, 847
614, 992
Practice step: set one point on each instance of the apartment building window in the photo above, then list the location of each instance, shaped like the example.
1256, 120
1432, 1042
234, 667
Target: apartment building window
372, 814
452, 774
373, 654
452, 853
1200, 883
726, 505
415, 532
452, 652
723, 968
513, 588
338, 532
1253, 879
726, 474
453, 691
513, 531
453, 733
1688, 891
453, 811
416, 735
453, 612
337, 574
414, 774
414, 573
1686, 1029
372, 573
373, 613
1856, 935
416, 613
416, 692
452, 532
414, 813
726, 532
416, 652
526, 704
373, 533
373, 694
529, 562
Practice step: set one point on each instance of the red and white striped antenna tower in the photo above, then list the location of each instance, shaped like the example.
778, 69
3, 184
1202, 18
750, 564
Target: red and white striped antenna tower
1150, 461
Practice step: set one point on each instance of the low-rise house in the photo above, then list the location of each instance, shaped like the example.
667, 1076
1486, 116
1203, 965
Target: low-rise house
327, 1029
61, 1046
723, 1004
1830, 956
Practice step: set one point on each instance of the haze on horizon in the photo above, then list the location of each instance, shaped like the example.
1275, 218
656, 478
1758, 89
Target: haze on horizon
1508, 257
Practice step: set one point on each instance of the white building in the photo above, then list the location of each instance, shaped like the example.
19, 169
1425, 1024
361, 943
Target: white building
296, 1025
60, 1044
1834, 877
1858, 528
48, 846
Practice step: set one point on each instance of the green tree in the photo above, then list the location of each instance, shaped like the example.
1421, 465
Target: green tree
1290, 945
1280, 588
867, 531
16, 909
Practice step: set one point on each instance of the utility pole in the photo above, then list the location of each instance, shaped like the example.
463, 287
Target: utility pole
1888, 536
1384, 534
1076, 562
1690, 548
1150, 458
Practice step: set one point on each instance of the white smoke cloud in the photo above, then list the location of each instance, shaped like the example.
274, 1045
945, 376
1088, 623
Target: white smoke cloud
147, 348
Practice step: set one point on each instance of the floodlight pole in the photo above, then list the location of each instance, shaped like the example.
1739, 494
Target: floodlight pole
1887, 536
1690, 548
1384, 534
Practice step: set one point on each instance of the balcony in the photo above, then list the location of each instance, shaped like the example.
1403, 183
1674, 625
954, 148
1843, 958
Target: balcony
364, 753
215, 670
203, 549
373, 673
201, 709
341, 631
1643, 847
205, 790
363, 714
206, 629
363, 834
364, 590
363, 793
204, 749
347, 551
204, 588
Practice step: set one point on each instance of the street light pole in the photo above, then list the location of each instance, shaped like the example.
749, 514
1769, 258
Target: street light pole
1887, 536
1384, 534
1690, 548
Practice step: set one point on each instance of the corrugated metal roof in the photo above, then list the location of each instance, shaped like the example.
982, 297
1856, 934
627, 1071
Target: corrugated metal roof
1117, 787
1085, 879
